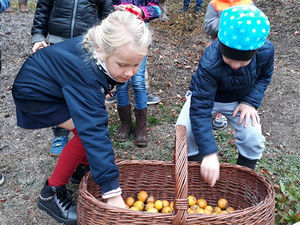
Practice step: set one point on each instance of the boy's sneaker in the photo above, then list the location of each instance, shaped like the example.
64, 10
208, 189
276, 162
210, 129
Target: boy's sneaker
1, 179
152, 99
78, 174
57, 202
220, 122
111, 97
58, 144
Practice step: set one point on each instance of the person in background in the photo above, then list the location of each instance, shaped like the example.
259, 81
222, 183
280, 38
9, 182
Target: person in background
146, 10
22, 7
54, 21
186, 4
151, 98
65, 85
4, 4
211, 27
232, 76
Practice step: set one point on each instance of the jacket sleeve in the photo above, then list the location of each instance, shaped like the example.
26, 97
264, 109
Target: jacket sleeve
105, 7
39, 30
4, 4
211, 21
265, 61
86, 104
203, 87
151, 10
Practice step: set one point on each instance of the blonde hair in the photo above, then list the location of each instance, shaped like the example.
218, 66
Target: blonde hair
120, 28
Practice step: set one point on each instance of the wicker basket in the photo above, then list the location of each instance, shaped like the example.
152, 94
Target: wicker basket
250, 194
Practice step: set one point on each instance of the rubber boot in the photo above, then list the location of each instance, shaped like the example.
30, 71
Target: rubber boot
125, 118
243, 161
141, 134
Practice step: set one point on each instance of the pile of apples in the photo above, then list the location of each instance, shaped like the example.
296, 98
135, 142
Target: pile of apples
148, 203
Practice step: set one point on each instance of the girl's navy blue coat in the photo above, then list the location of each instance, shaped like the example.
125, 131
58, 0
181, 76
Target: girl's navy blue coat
63, 74
215, 81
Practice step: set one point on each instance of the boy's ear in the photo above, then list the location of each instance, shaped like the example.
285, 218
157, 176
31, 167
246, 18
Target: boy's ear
100, 54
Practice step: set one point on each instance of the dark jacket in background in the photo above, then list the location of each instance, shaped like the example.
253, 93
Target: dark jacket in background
64, 19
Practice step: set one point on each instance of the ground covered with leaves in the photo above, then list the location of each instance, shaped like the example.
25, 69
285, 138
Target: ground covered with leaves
174, 56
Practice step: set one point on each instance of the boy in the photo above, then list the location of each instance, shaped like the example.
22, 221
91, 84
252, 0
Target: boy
232, 76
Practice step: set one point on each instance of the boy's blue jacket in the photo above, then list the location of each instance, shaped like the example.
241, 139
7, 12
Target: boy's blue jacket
64, 74
215, 81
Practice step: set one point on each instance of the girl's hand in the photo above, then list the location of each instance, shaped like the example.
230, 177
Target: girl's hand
116, 201
210, 169
38, 45
246, 112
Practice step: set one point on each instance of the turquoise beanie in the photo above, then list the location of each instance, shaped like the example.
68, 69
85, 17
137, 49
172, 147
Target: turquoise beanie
243, 28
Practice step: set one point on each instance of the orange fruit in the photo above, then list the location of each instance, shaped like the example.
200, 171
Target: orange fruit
139, 204
152, 210
209, 212
172, 205
230, 209
222, 203
202, 203
166, 209
223, 212
192, 200
158, 204
134, 208
150, 199
142, 196
165, 203
149, 205
195, 207
200, 210
191, 211
129, 201
209, 209
217, 209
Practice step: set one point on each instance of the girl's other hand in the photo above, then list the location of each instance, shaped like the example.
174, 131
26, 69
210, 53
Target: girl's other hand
210, 169
38, 45
116, 201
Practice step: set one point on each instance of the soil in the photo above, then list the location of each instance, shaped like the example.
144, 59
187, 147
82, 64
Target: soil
174, 55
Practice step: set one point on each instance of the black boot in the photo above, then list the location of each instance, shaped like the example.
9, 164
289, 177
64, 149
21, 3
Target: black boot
243, 161
141, 134
78, 174
125, 118
57, 202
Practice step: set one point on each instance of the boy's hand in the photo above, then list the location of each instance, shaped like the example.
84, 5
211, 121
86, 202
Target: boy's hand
246, 112
210, 169
116, 201
38, 45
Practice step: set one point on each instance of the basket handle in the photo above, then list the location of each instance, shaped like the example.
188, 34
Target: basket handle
181, 173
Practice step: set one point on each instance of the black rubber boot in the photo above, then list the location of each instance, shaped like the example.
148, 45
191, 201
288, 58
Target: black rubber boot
141, 134
243, 161
125, 118
57, 202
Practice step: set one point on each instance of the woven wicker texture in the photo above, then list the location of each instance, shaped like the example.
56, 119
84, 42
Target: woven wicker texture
249, 193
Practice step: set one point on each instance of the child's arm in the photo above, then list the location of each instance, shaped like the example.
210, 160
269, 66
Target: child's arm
203, 87
264, 66
39, 30
212, 21
151, 10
